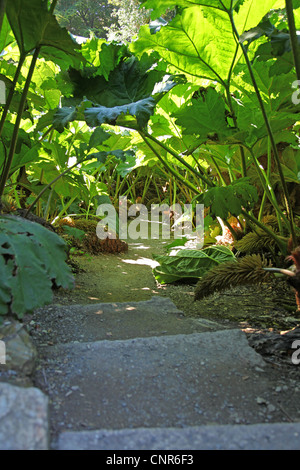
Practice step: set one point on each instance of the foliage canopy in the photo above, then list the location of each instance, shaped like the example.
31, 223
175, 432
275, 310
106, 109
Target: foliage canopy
203, 106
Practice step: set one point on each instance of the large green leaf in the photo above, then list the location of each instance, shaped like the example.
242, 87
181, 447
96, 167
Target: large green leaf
6, 36
127, 99
160, 6
141, 109
31, 258
98, 137
26, 150
132, 80
200, 41
231, 199
5, 284
63, 116
189, 264
297, 17
25, 156
33, 25
251, 12
204, 116
109, 57
197, 43
248, 12
56, 152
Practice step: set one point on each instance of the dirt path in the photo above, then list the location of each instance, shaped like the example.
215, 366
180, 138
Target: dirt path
262, 311
128, 277
118, 277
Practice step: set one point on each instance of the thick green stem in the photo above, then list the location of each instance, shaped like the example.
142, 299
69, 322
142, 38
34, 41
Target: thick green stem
2, 11
243, 161
169, 167
11, 93
13, 144
146, 187
53, 5
180, 159
48, 131
270, 134
265, 182
65, 208
264, 198
51, 183
218, 171
229, 102
46, 212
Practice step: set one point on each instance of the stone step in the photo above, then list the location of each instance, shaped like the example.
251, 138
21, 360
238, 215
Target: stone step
176, 381
277, 436
119, 320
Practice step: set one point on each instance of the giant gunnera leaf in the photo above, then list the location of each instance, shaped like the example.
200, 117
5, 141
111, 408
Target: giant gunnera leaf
128, 98
31, 259
189, 264
199, 41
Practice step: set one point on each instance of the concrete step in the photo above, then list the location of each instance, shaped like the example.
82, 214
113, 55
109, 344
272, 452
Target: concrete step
118, 320
277, 436
173, 381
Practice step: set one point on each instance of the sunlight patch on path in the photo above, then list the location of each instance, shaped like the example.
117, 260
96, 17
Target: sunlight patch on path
142, 261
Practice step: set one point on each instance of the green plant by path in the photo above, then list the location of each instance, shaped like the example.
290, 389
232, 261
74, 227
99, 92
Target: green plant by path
198, 106
32, 258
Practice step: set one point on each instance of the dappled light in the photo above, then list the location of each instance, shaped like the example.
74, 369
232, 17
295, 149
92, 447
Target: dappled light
142, 261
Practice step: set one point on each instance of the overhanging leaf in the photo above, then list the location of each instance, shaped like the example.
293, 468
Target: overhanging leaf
141, 109
6, 36
160, 6
200, 41
128, 99
199, 54
34, 26
251, 12
63, 116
